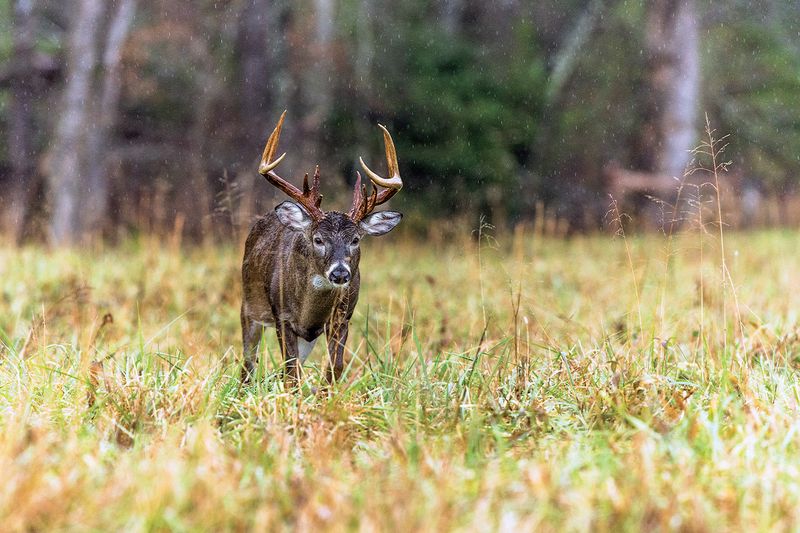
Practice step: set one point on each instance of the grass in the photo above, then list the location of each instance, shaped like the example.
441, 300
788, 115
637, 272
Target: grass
595, 383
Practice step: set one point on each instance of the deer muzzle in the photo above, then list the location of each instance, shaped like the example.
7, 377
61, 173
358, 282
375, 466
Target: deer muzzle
339, 274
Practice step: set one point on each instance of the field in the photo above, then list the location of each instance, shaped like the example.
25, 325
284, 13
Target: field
522, 383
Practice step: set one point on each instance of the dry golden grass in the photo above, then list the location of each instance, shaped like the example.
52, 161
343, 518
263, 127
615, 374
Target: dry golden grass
518, 385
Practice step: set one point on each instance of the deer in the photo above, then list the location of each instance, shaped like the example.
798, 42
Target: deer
300, 268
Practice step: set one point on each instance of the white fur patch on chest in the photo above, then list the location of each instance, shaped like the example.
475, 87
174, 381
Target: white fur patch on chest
305, 347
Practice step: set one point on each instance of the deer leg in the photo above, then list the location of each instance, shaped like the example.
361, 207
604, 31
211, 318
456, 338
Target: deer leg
287, 340
251, 337
336, 332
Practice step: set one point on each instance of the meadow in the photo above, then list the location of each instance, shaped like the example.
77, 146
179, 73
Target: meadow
517, 383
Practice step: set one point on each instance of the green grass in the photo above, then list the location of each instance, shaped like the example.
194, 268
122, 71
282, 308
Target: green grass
522, 386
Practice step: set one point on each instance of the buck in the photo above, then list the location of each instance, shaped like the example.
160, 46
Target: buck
300, 268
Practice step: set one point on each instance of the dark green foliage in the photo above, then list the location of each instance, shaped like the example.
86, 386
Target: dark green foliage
465, 124
464, 117
753, 94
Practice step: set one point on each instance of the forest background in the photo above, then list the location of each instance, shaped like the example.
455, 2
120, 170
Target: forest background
124, 116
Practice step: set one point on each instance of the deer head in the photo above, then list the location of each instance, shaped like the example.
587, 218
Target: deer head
333, 238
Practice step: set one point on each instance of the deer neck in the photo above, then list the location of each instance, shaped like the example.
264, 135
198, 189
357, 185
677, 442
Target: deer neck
315, 295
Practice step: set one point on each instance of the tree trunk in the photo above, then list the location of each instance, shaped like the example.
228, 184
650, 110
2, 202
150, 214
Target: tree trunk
194, 192
260, 47
20, 128
64, 161
566, 57
451, 13
673, 77
97, 153
363, 59
315, 85
196, 196
321, 78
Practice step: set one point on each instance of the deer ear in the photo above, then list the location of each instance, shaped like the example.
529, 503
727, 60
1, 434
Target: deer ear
293, 216
380, 222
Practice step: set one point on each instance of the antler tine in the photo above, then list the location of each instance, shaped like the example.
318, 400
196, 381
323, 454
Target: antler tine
358, 197
372, 201
394, 181
363, 205
267, 163
310, 199
317, 196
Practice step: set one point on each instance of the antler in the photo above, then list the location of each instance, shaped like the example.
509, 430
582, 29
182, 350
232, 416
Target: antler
363, 205
310, 198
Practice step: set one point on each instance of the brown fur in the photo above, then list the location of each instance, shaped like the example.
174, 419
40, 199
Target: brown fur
277, 272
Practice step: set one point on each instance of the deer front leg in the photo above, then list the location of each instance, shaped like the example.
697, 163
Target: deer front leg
251, 337
287, 339
336, 332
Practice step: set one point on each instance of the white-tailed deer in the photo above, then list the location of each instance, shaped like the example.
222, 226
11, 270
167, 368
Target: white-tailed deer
300, 269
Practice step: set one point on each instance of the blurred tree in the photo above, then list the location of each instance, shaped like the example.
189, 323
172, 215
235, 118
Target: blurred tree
311, 55
258, 34
21, 152
318, 79
565, 57
180, 117
668, 127
288, 52
670, 130
592, 114
752, 61
65, 159
260, 53
451, 13
104, 117
77, 165
565, 170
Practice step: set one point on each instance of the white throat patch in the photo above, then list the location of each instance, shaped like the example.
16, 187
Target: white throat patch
320, 282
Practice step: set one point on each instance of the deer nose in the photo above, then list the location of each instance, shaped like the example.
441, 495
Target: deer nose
339, 275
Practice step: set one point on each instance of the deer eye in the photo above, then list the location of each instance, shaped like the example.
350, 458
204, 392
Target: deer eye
354, 241
318, 241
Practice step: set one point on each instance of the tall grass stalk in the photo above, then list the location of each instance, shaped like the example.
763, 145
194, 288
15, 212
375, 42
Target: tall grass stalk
713, 149
617, 220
